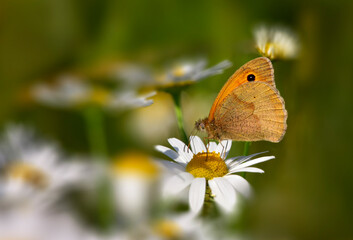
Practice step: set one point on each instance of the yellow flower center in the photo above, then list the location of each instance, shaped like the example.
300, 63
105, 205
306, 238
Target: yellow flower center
207, 165
99, 96
167, 229
134, 163
28, 174
179, 71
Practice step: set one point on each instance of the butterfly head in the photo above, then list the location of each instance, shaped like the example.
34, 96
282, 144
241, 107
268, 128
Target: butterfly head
200, 124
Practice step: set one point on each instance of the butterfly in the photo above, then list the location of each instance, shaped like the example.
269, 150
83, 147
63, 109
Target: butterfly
248, 107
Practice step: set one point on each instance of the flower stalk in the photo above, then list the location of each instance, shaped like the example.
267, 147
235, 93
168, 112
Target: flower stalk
209, 207
246, 153
95, 131
179, 115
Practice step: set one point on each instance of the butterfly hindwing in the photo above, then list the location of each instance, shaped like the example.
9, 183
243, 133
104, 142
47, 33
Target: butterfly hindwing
253, 111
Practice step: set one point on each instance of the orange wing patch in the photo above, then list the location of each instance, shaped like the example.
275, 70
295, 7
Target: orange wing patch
261, 69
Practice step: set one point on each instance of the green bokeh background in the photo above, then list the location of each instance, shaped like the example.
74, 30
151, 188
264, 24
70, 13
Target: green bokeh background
307, 190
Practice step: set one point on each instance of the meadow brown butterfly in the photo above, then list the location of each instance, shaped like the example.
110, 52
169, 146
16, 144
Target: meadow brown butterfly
248, 107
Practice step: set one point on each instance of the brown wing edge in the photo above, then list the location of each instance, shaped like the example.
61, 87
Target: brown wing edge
285, 116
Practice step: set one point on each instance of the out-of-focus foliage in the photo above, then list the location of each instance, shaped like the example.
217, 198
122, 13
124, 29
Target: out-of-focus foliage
306, 193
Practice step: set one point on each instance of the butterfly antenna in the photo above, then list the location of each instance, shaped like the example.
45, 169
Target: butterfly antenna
223, 153
192, 135
207, 146
191, 138
225, 150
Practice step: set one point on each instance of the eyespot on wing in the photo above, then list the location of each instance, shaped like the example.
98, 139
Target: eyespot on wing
257, 70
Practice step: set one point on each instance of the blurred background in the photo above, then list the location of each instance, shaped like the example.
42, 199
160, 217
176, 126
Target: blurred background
307, 190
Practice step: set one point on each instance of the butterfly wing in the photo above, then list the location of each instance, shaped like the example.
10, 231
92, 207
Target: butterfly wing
253, 111
260, 67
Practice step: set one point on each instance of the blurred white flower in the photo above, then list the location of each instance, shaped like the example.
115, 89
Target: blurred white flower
32, 224
188, 71
67, 92
133, 75
276, 42
205, 167
182, 72
130, 100
135, 181
70, 91
183, 226
33, 172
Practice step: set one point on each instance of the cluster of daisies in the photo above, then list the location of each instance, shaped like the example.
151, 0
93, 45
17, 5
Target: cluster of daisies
36, 179
47, 194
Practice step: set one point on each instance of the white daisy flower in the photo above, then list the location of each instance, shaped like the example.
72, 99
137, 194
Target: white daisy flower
276, 42
135, 180
203, 168
130, 100
183, 226
33, 172
186, 72
32, 224
182, 72
67, 92
70, 91
133, 75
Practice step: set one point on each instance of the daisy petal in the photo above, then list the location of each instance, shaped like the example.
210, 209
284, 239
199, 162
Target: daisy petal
178, 183
240, 184
170, 153
224, 147
181, 149
212, 146
197, 194
231, 160
242, 159
197, 145
255, 161
247, 169
224, 193
171, 166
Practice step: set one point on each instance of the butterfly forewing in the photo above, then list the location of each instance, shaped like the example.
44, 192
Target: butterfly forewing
251, 112
262, 70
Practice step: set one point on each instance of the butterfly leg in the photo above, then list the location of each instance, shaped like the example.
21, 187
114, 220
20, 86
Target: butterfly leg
224, 148
207, 145
188, 146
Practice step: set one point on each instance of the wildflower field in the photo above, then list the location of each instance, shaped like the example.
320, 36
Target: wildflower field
176, 119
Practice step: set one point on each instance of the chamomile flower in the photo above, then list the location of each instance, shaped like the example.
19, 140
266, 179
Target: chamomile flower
130, 100
70, 92
276, 42
32, 172
180, 73
133, 75
29, 223
135, 177
182, 226
187, 72
206, 171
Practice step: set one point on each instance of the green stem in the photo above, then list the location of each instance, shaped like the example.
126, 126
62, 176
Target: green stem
246, 148
246, 152
105, 215
209, 208
179, 115
94, 121
95, 131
